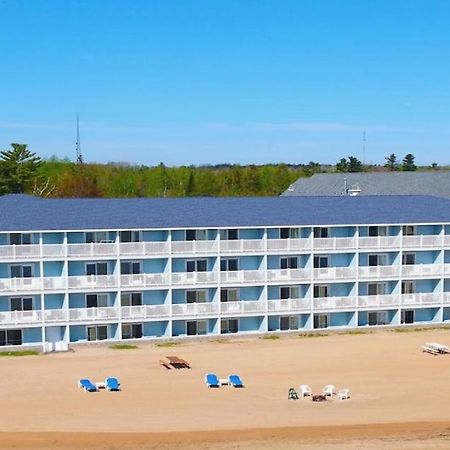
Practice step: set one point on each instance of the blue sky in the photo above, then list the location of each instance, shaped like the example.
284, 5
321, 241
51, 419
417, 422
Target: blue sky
242, 81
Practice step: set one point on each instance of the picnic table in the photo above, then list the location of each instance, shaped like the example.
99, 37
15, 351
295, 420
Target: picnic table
435, 349
174, 362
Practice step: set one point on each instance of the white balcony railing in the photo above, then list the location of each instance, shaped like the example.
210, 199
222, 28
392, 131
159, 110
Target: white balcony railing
91, 250
335, 243
334, 303
285, 275
422, 241
144, 280
142, 312
92, 282
290, 305
379, 271
242, 276
334, 273
288, 245
20, 318
195, 309
378, 301
243, 307
93, 314
194, 278
421, 299
242, 245
20, 284
194, 247
379, 242
417, 270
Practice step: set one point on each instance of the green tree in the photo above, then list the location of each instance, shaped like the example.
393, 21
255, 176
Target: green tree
342, 165
18, 168
354, 164
408, 163
391, 162
190, 186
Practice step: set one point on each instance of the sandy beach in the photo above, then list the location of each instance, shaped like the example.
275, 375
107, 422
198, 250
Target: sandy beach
399, 395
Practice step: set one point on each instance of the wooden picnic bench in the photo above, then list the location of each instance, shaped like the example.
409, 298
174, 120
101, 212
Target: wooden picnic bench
174, 362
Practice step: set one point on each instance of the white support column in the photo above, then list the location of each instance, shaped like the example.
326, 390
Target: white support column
169, 299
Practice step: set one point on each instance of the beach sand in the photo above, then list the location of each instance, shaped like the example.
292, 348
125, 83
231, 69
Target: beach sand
400, 396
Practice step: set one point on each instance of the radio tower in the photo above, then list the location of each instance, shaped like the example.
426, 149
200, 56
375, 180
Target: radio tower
78, 145
364, 146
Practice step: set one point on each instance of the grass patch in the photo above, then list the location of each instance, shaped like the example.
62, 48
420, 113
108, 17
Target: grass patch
417, 329
312, 335
167, 344
270, 337
353, 332
222, 341
20, 353
123, 346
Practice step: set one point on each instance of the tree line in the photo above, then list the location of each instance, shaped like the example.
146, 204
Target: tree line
22, 171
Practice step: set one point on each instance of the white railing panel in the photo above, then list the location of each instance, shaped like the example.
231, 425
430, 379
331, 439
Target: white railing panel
53, 283
422, 270
379, 271
289, 305
56, 315
20, 284
335, 302
53, 250
194, 277
194, 309
206, 246
93, 314
373, 301
92, 282
242, 276
143, 312
92, 249
283, 275
144, 280
379, 242
20, 317
286, 245
334, 243
422, 241
334, 273
243, 307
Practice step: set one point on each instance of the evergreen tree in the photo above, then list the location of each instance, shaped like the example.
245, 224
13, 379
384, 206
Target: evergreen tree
342, 165
354, 164
391, 162
18, 168
408, 163
190, 186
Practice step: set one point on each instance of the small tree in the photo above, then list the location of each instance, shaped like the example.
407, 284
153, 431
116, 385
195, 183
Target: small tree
391, 162
18, 168
408, 163
354, 164
342, 165
190, 186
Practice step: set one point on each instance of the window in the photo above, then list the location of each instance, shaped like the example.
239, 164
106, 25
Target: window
20, 239
97, 268
130, 236
21, 304
320, 290
231, 234
130, 267
228, 326
407, 316
96, 300
228, 265
96, 237
196, 327
321, 262
131, 330
320, 321
196, 235
196, 265
99, 333
289, 263
408, 287
289, 323
21, 271
10, 337
408, 259
196, 296
377, 318
229, 295
377, 260
376, 289
289, 292
289, 233
321, 232
409, 230
131, 299
377, 231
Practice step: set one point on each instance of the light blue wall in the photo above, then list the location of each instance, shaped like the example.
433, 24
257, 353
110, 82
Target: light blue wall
392, 258
154, 265
52, 238
157, 235
54, 334
250, 293
273, 261
78, 268
54, 301
53, 268
426, 315
251, 233
155, 329
340, 232
179, 264
273, 292
424, 286
446, 314
250, 324
391, 286
5, 302
156, 297
427, 257
31, 335
178, 327
6, 273
341, 289
447, 257
428, 229
77, 333
363, 318
341, 319
250, 262
75, 238
341, 259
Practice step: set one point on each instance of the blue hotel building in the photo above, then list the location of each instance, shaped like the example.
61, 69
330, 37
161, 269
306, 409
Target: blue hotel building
79, 270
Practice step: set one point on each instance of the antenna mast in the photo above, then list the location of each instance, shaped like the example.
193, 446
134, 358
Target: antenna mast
364, 146
78, 145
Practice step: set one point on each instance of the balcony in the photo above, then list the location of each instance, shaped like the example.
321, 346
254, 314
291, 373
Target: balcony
334, 303
287, 275
379, 271
288, 245
196, 247
194, 278
379, 242
290, 305
92, 282
144, 280
91, 250
195, 309
142, 312
242, 276
335, 243
11, 318
93, 314
243, 307
20, 284
378, 301
422, 241
421, 299
242, 246
13, 252
334, 273
421, 270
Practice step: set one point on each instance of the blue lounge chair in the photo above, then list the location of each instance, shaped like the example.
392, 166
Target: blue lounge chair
235, 381
87, 385
112, 384
211, 380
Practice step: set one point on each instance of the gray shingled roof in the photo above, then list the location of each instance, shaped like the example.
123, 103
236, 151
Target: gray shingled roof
435, 183
26, 213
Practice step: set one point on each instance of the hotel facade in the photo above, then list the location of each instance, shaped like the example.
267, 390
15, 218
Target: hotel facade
80, 270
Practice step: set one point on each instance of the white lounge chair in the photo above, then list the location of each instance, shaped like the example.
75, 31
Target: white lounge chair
343, 394
329, 390
305, 390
